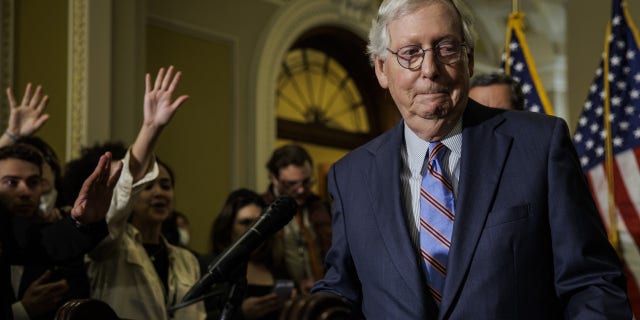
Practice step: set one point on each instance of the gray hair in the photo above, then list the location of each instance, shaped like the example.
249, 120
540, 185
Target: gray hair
392, 9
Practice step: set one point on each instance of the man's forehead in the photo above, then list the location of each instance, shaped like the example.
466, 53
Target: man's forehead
295, 170
18, 167
433, 8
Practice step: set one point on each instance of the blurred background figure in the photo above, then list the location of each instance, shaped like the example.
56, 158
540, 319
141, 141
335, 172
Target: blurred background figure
497, 90
176, 229
265, 267
307, 238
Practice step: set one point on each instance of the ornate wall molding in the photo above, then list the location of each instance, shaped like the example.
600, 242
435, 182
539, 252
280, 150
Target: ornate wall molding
7, 34
77, 77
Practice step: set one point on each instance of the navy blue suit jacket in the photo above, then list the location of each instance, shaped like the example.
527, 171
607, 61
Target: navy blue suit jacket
527, 241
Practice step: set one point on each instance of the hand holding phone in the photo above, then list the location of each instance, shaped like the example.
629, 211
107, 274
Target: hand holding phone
283, 288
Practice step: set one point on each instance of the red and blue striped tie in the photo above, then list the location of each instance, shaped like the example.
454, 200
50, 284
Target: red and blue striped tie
436, 219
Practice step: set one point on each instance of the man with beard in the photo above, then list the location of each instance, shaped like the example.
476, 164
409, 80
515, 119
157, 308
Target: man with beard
47, 258
307, 237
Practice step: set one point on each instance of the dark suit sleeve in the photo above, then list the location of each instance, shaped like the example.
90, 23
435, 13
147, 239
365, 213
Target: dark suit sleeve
588, 275
6, 291
64, 240
341, 278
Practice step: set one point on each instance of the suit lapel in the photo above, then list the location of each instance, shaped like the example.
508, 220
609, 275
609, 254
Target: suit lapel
483, 155
384, 187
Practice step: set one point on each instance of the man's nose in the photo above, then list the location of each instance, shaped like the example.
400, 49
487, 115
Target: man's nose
429, 66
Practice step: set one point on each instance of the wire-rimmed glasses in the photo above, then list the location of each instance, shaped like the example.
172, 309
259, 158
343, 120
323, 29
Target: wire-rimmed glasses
412, 56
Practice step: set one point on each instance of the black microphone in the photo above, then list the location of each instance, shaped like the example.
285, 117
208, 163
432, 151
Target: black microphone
277, 215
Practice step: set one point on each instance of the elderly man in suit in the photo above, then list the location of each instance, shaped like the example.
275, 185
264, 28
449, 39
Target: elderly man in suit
497, 223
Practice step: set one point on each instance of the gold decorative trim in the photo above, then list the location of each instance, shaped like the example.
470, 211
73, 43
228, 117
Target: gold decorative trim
7, 13
77, 107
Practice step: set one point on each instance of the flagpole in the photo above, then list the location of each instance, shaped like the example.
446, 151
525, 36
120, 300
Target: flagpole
514, 6
608, 146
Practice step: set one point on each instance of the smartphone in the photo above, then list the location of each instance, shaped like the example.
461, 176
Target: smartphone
283, 288
58, 273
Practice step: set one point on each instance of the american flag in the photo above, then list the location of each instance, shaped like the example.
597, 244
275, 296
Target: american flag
518, 63
618, 101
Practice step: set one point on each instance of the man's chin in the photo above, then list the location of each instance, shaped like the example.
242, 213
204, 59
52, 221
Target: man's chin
25, 211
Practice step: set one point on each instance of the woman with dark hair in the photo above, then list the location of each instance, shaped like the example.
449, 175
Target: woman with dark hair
135, 270
264, 268
138, 272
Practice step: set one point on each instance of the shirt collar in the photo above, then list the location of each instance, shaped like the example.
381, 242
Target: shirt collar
417, 147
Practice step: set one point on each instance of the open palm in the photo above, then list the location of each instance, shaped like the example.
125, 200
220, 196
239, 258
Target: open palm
158, 107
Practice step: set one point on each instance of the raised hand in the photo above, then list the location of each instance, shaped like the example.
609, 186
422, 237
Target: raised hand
94, 197
158, 107
29, 116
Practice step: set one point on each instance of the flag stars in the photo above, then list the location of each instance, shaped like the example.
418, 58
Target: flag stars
583, 121
513, 46
588, 105
603, 134
526, 88
626, 70
535, 108
618, 141
519, 67
636, 133
578, 137
615, 60
620, 44
584, 160
631, 54
594, 128
593, 88
629, 110
599, 151
589, 144
621, 85
616, 101
636, 77
616, 20
634, 94
624, 125
599, 111
611, 77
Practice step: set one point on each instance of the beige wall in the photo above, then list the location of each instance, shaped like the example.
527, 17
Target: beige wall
197, 142
41, 58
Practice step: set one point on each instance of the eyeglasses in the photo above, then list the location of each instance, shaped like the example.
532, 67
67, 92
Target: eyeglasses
411, 56
288, 185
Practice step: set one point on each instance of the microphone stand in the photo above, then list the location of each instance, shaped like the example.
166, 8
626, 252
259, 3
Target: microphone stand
236, 293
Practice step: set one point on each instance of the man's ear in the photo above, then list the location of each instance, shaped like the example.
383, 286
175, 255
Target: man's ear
273, 179
471, 58
380, 66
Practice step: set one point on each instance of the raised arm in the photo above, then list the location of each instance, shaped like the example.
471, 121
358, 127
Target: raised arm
26, 118
159, 108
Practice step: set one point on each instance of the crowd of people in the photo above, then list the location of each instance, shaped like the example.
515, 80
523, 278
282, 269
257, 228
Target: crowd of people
106, 227
434, 219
